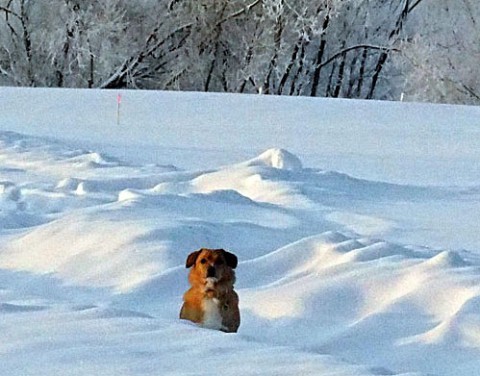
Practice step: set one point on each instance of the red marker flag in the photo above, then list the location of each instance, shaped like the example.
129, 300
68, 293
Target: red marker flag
119, 100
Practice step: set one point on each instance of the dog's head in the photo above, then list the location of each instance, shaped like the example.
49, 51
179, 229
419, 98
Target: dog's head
211, 265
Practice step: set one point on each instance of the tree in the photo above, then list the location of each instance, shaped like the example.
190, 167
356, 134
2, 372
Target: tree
334, 48
62, 43
440, 61
17, 54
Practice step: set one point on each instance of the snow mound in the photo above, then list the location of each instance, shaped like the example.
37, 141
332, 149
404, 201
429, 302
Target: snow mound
448, 259
94, 160
277, 158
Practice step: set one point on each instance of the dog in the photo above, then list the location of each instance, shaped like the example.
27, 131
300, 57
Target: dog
211, 300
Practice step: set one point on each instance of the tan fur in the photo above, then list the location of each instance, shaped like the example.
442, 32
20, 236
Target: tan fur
207, 292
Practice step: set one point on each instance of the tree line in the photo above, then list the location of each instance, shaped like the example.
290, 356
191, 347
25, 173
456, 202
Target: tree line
371, 49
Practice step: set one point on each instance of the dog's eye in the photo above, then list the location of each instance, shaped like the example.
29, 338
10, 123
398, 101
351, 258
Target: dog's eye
219, 262
203, 261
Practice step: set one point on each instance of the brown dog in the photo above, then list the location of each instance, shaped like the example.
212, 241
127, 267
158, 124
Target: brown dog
211, 301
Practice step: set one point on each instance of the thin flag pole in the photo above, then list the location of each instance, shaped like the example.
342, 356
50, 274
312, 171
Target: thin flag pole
119, 102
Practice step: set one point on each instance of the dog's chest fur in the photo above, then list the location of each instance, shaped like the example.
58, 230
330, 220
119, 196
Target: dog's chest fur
212, 318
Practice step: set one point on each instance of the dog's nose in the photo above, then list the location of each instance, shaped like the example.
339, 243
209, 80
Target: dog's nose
210, 272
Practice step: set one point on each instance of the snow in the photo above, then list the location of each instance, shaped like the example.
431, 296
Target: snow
355, 224
277, 158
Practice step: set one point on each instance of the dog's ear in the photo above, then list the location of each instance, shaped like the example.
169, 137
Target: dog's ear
230, 259
192, 258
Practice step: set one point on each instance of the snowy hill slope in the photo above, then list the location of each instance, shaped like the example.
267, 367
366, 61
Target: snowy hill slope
94, 245
338, 275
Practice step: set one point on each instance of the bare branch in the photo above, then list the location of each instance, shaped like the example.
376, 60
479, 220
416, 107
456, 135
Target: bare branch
356, 47
239, 12
471, 91
414, 6
132, 63
9, 11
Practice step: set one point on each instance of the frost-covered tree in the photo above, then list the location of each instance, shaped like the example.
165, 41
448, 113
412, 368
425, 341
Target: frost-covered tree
64, 43
85, 41
156, 34
441, 58
334, 48
205, 50
16, 50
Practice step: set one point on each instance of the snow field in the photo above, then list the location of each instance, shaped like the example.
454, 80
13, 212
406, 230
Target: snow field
338, 275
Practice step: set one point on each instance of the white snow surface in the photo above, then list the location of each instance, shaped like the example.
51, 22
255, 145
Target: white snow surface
355, 224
